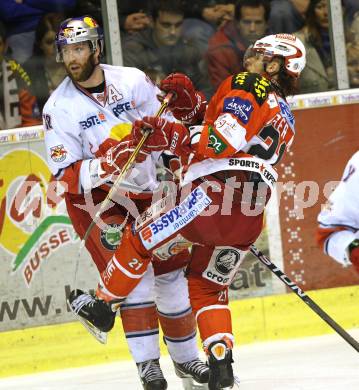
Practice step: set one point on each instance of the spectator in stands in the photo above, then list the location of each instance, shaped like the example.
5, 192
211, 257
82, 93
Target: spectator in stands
44, 72
353, 64
287, 16
352, 33
162, 48
318, 75
227, 46
134, 15
353, 51
87, 7
21, 18
203, 18
14, 103
350, 9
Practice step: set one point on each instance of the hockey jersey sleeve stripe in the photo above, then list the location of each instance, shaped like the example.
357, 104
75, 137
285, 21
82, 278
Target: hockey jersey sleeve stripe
336, 245
323, 234
125, 271
337, 225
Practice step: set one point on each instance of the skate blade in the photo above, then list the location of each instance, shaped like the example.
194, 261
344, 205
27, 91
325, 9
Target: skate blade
98, 334
236, 381
191, 384
236, 384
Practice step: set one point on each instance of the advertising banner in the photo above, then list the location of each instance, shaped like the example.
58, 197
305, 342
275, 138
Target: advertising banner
38, 246
325, 140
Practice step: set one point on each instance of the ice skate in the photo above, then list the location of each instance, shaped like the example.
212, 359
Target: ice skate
95, 314
220, 364
193, 370
151, 375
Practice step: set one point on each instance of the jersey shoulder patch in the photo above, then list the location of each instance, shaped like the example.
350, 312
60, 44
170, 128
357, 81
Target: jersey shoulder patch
254, 83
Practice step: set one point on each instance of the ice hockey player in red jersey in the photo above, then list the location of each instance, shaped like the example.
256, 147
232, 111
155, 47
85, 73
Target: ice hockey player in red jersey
227, 178
337, 233
87, 123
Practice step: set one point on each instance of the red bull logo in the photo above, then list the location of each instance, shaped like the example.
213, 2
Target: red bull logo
58, 153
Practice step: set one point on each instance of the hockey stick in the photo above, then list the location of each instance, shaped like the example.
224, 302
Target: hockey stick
304, 297
122, 174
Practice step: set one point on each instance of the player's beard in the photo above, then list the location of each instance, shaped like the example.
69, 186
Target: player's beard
86, 71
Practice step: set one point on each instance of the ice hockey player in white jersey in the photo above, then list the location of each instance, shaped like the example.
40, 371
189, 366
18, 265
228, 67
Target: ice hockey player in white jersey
338, 230
87, 120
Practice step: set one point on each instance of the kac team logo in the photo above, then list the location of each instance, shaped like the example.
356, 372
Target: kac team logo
111, 236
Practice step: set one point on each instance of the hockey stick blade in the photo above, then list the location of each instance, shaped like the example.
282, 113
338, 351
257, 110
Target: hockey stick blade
304, 297
96, 333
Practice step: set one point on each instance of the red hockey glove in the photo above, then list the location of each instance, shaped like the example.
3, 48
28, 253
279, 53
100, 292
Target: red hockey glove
354, 254
187, 104
113, 155
164, 135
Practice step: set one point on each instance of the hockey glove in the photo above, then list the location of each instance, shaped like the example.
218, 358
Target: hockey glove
354, 254
187, 104
164, 135
113, 155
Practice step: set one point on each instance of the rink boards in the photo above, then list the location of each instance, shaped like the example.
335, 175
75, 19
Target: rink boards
38, 246
254, 320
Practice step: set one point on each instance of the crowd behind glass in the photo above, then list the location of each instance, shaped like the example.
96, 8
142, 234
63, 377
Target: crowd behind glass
205, 39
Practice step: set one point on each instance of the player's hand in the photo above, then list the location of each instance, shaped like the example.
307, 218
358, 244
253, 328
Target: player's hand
187, 104
107, 144
354, 254
113, 158
164, 135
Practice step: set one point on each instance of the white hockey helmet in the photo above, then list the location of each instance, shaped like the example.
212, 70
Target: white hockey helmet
287, 46
75, 30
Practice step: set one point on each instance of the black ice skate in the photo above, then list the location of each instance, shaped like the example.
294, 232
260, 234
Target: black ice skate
95, 314
151, 375
220, 365
193, 369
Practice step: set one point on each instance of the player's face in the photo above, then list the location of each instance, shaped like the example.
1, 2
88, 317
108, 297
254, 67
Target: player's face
78, 60
254, 63
168, 28
272, 67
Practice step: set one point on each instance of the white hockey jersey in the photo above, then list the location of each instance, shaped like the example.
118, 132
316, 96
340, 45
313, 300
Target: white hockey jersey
76, 123
339, 220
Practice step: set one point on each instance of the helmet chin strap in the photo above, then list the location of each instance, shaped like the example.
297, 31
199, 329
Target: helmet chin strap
92, 62
94, 65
